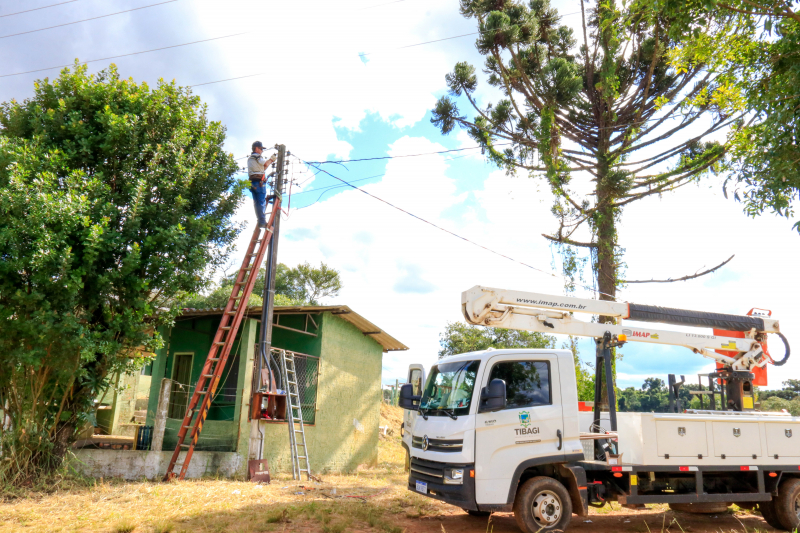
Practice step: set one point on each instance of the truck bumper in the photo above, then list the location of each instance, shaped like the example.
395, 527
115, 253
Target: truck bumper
432, 473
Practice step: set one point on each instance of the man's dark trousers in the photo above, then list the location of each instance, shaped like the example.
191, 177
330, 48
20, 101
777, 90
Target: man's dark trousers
259, 190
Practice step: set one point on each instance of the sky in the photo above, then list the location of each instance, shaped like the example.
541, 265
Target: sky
353, 79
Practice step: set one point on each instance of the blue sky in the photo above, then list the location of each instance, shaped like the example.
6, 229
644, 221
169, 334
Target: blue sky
324, 102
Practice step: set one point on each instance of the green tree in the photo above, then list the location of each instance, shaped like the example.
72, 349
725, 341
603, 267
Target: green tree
790, 391
753, 46
583, 374
115, 197
602, 119
301, 285
458, 338
777, 404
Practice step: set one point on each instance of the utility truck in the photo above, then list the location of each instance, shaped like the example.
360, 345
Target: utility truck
501, 430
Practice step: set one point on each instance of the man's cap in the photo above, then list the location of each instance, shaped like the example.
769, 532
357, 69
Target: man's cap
257, 144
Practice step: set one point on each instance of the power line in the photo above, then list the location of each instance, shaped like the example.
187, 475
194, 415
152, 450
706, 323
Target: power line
37, 9
228, 79
324, 190
400, 156
85, 20
130, 54
348, 184
364, 54
429, 222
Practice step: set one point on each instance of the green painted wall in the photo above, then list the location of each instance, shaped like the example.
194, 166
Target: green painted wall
298, 342
349, 388
195, 336
221, 428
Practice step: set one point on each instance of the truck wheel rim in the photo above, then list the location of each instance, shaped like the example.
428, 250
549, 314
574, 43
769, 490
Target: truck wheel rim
546, 508
797, 507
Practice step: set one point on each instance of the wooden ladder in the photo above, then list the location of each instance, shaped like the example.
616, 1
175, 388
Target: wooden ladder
294, 414
204, 390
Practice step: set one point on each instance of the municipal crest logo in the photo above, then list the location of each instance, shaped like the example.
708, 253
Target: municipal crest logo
524, 419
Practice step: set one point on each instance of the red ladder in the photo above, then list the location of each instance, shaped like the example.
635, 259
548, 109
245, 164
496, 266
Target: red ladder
221, 346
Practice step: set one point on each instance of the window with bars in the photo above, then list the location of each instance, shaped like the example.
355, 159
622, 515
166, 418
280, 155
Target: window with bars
307, 367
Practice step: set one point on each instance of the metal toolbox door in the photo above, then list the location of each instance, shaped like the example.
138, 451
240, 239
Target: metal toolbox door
737, 439
783, 439
681, 438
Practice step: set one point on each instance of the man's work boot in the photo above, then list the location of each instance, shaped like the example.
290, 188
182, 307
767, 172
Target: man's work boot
262, 223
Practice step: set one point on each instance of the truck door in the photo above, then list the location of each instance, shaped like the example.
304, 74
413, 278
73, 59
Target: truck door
416, 376
529, 429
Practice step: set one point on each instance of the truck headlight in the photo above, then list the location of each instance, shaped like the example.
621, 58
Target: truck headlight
453, 476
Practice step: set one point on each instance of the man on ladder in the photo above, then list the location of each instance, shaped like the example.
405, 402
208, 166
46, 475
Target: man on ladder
257, 166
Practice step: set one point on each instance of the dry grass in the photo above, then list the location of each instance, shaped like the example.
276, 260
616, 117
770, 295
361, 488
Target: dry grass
368, 499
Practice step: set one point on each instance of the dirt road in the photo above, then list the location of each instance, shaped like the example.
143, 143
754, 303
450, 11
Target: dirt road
653, 520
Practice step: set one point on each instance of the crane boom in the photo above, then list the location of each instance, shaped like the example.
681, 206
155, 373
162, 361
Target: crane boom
554, 314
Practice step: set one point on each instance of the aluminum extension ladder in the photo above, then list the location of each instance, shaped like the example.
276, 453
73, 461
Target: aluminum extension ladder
206, 387
294, 412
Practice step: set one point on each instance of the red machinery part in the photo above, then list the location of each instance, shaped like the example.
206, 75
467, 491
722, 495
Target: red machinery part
760, 373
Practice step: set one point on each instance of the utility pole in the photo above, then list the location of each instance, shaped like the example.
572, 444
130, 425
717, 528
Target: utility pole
267, 309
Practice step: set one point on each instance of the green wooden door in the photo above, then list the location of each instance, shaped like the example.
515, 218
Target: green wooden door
182, 374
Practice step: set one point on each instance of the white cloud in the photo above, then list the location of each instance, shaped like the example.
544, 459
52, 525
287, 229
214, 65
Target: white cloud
316, 80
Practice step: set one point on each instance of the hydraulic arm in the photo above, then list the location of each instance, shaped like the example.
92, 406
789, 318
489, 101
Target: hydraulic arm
556, 314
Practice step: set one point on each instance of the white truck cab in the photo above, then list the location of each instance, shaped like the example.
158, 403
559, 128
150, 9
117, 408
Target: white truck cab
416, 378
499, 430
537, 425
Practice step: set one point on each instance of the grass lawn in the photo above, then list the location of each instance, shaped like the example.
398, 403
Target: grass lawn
369, 500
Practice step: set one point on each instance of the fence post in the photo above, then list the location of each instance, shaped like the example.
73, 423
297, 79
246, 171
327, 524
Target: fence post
161, 415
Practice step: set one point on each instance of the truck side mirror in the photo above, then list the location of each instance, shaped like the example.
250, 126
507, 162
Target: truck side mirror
407, 399
493, 397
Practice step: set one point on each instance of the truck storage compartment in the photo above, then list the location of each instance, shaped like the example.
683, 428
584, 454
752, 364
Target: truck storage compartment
708, 438
783, 440
737, 439
681, 438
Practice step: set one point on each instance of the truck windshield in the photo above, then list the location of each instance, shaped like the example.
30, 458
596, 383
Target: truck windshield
449, 388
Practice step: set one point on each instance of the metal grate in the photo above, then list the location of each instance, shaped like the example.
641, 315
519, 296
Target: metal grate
307, 367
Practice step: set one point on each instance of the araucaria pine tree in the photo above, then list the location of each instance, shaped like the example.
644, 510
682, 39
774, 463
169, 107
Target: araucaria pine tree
603, 118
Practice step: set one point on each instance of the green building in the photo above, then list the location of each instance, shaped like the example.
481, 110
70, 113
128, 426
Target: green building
339, 366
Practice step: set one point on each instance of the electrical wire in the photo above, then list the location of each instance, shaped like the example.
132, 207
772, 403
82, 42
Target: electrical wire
131, 54
86, 20
227, 79
400, 156
324, 190
364, 54
37, 9
361, 54
428, 222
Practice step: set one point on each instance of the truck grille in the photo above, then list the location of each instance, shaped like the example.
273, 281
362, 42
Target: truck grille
427, 470
439, 445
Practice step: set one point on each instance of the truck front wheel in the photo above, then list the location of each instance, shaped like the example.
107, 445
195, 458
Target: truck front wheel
787, 505
542, 504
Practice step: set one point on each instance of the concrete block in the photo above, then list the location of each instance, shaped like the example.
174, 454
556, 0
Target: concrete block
132, 465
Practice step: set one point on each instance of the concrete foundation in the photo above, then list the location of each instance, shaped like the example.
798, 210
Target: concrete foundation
132, 465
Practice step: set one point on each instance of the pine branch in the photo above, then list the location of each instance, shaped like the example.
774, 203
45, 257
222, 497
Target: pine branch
684, 278
563, 240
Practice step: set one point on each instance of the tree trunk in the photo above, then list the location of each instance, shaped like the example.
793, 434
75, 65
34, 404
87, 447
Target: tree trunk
606, 260
62, 441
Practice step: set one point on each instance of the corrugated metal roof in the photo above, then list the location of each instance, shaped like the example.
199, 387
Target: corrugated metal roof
388, 342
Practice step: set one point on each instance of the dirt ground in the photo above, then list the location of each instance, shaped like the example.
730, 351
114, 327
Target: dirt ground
371, 500
364, 502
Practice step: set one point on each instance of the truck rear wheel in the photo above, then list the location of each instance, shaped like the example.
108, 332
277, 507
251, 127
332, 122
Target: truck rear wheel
767, 510
787, 504
542, 504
